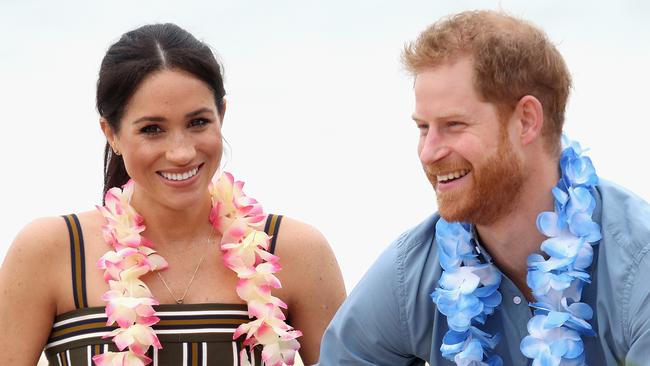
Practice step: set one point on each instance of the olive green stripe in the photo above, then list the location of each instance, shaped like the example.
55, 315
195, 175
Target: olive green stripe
159, 308
78, 272
195, 354
272, 228
181, 322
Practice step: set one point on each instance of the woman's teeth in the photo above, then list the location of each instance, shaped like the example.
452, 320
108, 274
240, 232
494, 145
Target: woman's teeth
180, 176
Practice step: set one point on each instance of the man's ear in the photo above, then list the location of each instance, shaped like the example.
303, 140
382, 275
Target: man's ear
530, 116
111, 137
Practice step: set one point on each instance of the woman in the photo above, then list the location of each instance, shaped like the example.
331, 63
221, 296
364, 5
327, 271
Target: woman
203, 250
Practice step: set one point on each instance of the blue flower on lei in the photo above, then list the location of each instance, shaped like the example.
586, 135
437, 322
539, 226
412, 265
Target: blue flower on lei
467, 294
557, 282
467, 291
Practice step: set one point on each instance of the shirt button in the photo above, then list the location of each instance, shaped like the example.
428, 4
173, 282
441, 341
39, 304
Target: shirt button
516, 300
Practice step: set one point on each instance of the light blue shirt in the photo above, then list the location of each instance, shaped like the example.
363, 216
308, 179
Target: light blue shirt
389, 318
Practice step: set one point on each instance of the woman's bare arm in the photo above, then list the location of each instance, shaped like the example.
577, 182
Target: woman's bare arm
312, 283
28, 286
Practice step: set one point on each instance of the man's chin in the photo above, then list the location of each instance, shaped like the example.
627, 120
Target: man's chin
453, 217
464, 212
453, 212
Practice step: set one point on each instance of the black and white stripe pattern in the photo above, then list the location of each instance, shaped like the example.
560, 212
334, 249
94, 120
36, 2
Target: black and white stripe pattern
191, 334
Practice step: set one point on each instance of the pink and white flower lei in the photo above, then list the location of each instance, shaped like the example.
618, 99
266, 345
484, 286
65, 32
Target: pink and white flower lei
238, 218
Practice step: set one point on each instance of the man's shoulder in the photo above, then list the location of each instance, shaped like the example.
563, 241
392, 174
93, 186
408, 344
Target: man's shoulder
417, 237
615, 195
625, 218
409, 252
623, 262
406, 257
412, 261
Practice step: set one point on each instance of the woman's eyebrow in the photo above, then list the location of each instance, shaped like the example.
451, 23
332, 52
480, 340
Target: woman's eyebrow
199, 111
149, 119
163, 119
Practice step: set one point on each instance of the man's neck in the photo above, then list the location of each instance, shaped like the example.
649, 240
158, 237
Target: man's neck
513, 237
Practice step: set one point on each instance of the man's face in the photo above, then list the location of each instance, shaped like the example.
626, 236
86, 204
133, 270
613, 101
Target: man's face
464, 147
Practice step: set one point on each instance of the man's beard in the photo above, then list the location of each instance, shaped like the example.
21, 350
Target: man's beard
494, 190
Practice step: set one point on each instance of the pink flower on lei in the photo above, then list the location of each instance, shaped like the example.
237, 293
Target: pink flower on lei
269, 330
121, 359
243, 255
238, 219
136, 261
245, 251
123, 224
137, 337
230, 203
129, 300
127, 310
256, 287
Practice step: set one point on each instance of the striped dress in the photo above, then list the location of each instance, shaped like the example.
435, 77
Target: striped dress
191, 334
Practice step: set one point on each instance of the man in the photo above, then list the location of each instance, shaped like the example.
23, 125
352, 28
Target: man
472, 284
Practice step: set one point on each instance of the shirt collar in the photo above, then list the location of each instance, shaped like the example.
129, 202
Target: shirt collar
484, 256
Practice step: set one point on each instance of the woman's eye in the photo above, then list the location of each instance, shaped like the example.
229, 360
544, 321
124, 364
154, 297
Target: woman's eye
151, 129
199, 122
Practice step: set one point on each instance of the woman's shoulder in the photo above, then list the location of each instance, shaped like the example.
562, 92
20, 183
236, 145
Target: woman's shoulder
296, 238
48, 236
312, 283
34, 260
304, 253
41, 235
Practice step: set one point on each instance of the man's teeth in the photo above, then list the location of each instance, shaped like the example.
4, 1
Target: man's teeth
180, 176
452, 175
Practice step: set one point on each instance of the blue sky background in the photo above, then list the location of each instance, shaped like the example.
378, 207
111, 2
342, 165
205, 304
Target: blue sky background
319, 106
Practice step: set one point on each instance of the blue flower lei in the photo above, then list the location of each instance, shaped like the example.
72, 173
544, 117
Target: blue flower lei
467, 291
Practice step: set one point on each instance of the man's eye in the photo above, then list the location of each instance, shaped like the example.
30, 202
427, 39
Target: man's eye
455, 124
151, 129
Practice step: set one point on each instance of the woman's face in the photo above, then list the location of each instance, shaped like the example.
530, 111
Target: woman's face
170, 139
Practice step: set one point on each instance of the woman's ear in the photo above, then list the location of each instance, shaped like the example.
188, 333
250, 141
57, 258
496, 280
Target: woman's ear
111, 137
222, 114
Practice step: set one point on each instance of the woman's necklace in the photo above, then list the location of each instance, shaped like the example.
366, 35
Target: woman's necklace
179, 300
238, 219
468, 290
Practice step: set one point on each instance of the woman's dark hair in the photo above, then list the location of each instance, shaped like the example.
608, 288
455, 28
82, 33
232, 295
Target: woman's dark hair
130, 60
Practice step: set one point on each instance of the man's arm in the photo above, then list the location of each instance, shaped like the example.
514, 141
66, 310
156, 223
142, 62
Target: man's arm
370, 326
639, 313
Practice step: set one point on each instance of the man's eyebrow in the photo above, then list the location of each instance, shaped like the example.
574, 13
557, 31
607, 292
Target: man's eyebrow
453, 115
417, 118
444, 116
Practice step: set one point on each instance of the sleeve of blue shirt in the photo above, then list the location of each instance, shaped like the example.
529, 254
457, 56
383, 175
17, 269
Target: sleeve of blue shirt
369, 328
639, 313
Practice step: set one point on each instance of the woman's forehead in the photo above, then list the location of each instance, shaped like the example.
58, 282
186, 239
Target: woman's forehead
170, 93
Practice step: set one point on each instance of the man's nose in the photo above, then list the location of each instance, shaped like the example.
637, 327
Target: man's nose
433, 148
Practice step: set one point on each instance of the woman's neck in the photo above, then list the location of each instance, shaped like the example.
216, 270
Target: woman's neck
167, 226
